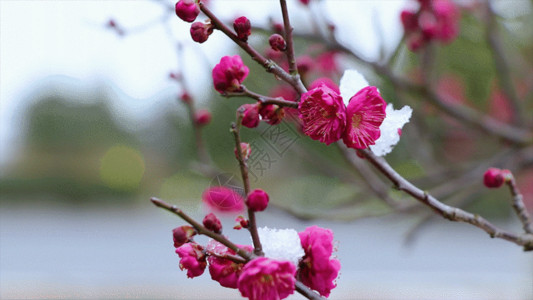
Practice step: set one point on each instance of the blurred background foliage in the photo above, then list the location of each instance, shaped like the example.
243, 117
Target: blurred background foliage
81, 152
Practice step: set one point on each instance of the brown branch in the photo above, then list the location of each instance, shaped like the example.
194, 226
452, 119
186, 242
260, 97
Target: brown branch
447, 212
519, 207
202, 230
258, 249
262, 98
269, 65
307, 292
293, 70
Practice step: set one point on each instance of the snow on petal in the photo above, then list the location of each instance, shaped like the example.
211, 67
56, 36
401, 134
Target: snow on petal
351, 83
394, 120
281, 244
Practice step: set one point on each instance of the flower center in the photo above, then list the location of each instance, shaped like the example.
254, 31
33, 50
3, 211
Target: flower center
356, 120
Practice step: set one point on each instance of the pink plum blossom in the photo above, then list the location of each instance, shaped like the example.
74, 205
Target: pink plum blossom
323, 114
187, 10
364, 115
317, 269
229, 74
192, 258
224, 271
267, 279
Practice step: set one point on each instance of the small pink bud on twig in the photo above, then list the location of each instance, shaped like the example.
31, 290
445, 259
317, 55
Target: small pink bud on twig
211, 222
187, 10
242, 27
277, 42
200, 31
182, 235
202, 117
257, 200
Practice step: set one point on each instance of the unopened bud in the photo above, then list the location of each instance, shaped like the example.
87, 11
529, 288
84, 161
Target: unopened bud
200, 31
182, 235
277, 42
257, 200
493, 178
187, 10
272, 114
211, 222
202, 117
242, 27
250, 113
185, 97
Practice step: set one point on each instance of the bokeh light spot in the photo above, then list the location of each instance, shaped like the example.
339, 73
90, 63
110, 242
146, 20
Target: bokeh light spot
122, 168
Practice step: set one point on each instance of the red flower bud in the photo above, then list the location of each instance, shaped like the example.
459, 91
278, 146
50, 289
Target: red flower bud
257, 200
277, 42
246, 150
250, 115
185, 97
202, 117
182, 235
229, 74
187, 10
201, 31
272, 114
211, 222
493, 178
243, 28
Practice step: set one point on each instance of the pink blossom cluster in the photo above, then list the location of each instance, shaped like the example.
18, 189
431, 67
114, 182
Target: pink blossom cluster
326, 118
434, 20
264, 278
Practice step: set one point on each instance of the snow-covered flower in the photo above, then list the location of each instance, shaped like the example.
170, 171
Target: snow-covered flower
391, 129
281, 244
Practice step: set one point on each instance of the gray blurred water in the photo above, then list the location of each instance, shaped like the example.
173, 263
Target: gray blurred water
54, 251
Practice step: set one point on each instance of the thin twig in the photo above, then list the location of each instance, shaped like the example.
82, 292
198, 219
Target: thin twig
519, 207
293, 70
262, 98
202, 230
258, 249
448, 212
268, 64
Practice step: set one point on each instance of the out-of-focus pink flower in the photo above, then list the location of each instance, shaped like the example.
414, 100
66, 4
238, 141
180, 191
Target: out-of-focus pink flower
187, 10
305, 2
250, 117
277, 42
327, 63
304, 64
229, 74
364, 115
435, 20
317, 269
224, 271
272, 113
242, 27
495, 178
267, 279
323, 114
223, 199
326, 81
257, 200
192, 259
182, 235
211, 222
200, 31
202, 117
